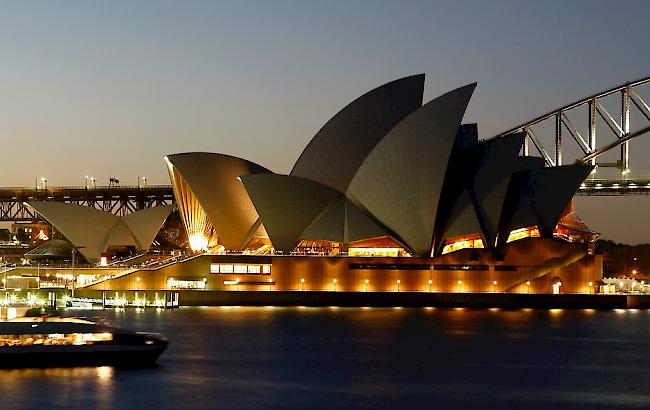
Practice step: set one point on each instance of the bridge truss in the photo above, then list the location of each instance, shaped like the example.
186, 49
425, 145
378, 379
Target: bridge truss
114, 199
595, 124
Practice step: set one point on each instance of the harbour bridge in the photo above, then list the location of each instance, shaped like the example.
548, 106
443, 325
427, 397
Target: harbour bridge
118, 200
594, 133
589, 126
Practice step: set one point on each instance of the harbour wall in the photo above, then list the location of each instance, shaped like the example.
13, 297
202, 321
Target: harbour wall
379, 299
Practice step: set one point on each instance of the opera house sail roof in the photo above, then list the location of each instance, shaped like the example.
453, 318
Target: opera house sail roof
336, 152
385, 166
211, 200
93, 231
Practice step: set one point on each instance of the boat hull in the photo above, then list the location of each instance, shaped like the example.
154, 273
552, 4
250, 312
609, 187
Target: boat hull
74, 356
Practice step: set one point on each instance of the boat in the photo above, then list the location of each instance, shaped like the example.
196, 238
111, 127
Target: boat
68, 342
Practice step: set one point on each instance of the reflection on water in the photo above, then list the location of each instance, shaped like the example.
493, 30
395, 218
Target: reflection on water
105, 374
366, 357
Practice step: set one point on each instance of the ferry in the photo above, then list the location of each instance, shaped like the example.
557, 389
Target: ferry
68, 342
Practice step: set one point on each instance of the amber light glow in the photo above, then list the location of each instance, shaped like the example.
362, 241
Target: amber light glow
394, 252
53, 339
462, 242
198, 242
194, 218
517, 234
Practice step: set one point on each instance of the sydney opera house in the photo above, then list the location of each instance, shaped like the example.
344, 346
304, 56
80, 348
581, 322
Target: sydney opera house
390, 195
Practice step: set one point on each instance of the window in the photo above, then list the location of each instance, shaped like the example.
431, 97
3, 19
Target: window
393, 252
505, 268
459, 243
186, 283
460, 267
54, 339
226, 269
247, 269
530, 232
389, 266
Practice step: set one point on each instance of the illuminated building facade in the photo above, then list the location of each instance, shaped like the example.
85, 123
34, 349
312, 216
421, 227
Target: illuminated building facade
389, 189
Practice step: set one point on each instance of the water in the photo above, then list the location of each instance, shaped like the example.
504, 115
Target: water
307, 358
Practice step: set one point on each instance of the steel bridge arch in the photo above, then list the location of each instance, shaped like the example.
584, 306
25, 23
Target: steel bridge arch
620, 128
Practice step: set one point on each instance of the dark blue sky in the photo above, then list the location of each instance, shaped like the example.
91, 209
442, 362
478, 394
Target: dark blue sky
108, 88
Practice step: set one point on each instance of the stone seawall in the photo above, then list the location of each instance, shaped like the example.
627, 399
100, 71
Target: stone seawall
405, 299
390, 299
361, 299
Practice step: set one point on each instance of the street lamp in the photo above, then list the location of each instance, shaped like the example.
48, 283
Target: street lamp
527, 286
367, 284
302, 284
398, 282
334, 282
270, 283
494, 286
460, 283
430, 283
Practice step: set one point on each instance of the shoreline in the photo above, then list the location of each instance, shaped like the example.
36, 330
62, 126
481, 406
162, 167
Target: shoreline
398, 299
181, 298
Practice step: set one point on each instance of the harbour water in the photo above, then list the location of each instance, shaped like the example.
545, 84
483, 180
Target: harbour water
313, 358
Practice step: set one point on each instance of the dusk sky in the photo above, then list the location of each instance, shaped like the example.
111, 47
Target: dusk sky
108, 88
